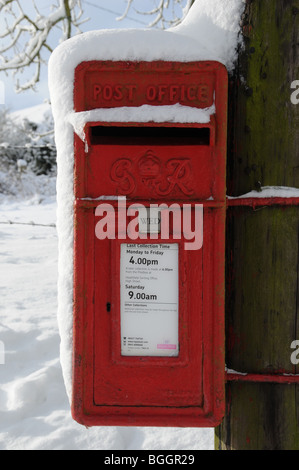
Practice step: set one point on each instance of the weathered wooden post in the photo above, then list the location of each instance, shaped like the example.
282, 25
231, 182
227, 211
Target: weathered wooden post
262, 235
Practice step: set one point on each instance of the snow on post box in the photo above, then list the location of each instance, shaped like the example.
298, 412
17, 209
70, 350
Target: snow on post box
149, 237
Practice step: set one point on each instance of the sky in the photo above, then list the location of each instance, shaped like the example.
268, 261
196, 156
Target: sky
102, 14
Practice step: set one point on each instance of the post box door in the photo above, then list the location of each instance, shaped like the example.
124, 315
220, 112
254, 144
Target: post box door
150, 380
183, 387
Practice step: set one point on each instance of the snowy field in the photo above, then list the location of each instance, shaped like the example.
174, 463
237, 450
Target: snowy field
34, 409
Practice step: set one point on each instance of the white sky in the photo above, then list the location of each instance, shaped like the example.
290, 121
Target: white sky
102, 14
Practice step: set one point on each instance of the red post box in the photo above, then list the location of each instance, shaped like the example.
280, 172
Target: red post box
150, 203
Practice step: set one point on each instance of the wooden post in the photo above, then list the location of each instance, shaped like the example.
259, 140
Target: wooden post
262, 244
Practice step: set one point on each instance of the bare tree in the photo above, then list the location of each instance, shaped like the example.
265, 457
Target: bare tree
28, 33
164, 14
25, 38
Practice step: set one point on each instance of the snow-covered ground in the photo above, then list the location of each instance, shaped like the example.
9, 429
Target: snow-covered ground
34, 409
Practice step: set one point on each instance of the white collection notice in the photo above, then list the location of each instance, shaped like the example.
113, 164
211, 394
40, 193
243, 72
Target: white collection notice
149, 282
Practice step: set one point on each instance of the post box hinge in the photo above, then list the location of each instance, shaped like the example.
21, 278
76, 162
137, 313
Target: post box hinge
255, 202
285, 378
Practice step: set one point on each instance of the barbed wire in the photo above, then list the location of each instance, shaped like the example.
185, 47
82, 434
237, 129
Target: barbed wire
10, 222
25, 147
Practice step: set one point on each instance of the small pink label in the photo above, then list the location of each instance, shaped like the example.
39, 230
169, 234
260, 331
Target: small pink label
166, 346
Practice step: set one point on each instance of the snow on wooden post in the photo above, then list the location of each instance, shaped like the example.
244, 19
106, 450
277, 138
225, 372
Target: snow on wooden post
262, 242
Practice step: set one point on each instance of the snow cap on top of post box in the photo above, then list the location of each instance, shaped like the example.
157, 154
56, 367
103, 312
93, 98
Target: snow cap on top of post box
210, 31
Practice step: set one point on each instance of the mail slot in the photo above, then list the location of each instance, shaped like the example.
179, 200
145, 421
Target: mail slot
149, 240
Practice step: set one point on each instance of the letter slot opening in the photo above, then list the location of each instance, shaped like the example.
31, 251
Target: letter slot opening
130, 135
